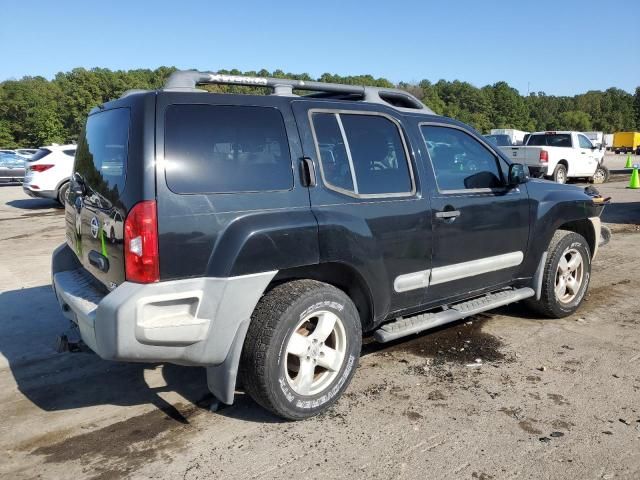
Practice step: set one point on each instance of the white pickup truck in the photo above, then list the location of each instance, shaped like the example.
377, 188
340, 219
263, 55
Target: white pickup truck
560, 155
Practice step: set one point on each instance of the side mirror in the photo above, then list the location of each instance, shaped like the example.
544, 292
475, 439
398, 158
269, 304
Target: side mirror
518, 174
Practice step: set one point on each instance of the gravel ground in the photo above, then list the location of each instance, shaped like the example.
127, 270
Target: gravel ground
548, 399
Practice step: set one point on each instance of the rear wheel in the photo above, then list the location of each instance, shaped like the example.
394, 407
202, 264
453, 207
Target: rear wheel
302, 348
566, 275
62, 193
560, 174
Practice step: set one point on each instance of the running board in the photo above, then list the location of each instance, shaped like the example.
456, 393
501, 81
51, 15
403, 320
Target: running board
419, 323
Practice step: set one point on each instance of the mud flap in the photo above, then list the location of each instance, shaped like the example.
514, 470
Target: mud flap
221, 379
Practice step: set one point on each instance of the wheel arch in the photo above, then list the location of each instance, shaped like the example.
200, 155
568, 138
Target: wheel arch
585, 228
341, 276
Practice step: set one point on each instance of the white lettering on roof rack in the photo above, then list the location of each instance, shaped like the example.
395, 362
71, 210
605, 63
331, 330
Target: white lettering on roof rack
237, 79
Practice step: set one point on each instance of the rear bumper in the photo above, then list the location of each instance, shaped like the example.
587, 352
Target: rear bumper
52, 194
189, 322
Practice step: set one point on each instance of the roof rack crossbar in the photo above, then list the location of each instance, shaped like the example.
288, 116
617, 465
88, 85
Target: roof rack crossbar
189, 79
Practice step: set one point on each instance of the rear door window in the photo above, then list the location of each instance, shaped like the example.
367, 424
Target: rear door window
226, 149
362, 154
101, 156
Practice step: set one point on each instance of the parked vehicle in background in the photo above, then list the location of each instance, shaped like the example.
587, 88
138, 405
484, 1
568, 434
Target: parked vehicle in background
561, 155
48, 171
516, 136
8, 151
261, 235
499, 140
626, 142
608, 141
597, 138
11, 168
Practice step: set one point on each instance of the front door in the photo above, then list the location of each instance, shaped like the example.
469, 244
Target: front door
587, 161
480, 227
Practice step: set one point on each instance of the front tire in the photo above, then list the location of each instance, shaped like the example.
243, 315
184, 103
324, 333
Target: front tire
302, 349
601, 175
566, 276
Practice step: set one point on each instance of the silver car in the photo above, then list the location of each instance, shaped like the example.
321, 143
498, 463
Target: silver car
11, 168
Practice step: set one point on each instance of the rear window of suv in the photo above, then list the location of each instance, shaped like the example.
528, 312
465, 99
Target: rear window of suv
101, 156
226, 149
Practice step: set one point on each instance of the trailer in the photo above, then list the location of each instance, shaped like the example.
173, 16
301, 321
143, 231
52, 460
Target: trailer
517, 136
626, 142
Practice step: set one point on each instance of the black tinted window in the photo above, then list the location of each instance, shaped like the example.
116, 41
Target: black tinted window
377, 153
71, 153
459, 161
333, 154
102, 151
223, 149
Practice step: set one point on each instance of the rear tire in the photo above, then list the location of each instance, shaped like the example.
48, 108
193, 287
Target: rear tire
302, 349
560, 174
566, 276
62, 193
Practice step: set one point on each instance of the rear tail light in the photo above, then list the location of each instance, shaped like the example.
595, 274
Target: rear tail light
544, 156
40, 168
141, 243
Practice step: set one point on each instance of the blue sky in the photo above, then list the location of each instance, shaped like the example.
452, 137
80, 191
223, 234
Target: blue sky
560, 47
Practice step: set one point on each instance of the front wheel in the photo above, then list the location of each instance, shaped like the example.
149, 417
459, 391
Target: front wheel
601, 175
566, 275
302, 348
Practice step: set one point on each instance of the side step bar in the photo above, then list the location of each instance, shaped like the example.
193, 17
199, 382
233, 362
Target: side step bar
407, 326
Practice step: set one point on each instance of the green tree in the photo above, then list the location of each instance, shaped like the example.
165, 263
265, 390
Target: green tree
575, 120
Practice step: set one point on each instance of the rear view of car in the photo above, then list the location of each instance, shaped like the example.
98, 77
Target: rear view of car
48, 171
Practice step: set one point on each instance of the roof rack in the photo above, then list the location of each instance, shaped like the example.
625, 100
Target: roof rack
399, 99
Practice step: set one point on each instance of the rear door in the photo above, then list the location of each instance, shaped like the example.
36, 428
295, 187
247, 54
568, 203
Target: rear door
95, 209
480, 227
370, 211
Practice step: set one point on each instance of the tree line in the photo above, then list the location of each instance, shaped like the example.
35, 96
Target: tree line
35, 111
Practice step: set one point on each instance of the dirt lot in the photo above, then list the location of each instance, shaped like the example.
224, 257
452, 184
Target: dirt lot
549, 399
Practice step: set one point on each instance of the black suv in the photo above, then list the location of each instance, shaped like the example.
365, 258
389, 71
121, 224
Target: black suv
261, 235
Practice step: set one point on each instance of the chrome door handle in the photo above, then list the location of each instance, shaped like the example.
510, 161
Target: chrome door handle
448, 214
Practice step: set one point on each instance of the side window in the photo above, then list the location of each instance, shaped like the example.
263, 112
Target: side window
584, 142
362, 154
378, 155
332, 150
226, 149
459, 161
70, 152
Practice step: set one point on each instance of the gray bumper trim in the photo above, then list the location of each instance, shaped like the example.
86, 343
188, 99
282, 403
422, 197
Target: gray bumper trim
197, 321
